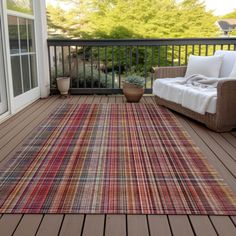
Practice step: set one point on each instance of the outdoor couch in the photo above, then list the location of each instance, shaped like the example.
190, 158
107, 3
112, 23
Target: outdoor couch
221, 116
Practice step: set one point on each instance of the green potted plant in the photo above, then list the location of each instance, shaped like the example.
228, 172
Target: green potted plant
133, 88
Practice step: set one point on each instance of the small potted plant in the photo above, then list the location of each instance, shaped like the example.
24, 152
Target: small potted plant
133, 88
63, 85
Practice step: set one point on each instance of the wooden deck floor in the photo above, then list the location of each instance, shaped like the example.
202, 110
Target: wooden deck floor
220, 149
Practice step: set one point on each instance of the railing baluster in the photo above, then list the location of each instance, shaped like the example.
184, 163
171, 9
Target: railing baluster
119, 66
186, 54
193, 49
77, 66
106, 64
126, 59
55, 63
159, 55
137, 55
214, 48
85, 82
206, 50
50, 66
99, 69
69, 58
113, 74
152, 64
179, 56
63, 62
172, 55
166, 56
199, 50
92, 81
131, 56
145, 65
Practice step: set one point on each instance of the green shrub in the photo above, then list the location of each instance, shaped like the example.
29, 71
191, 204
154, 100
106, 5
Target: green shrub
136, 80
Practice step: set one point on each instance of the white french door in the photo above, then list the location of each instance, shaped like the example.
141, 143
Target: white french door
3, 89
22, 55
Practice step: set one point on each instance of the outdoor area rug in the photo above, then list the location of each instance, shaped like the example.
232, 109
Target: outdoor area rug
112, 158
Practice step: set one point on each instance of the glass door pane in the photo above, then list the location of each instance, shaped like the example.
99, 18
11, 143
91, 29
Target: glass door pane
3, 91
23, 54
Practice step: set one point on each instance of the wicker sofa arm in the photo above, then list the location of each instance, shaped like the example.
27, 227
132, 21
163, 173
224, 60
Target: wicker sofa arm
169, 71
226, 103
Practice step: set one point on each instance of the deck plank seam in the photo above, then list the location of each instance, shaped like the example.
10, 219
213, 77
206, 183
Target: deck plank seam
36, 232
171, 230
209, 217
148, 226
191, 224
60, 227
17, 224
82, 229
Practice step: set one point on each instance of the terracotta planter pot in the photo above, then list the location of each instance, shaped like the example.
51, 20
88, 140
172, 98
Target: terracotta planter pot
63, 85
132, 92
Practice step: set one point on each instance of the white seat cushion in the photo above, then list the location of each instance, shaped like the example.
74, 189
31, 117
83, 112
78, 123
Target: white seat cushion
228, 62
168, 90
208, 66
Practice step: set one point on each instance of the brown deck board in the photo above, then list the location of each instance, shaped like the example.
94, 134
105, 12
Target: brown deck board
230, 138
223, 225
202, 226
28, 225
227, 147
72, 225
180, 225
18, 119
8, 223
50, 225
233, 218
117, 222
19, 136
218, 149
160, 224
11, 132
94, 225
20, 113
137, 225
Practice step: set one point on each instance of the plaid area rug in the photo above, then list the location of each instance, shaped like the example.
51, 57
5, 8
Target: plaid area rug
112, 158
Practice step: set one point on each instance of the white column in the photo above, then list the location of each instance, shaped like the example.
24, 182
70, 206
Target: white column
41, 45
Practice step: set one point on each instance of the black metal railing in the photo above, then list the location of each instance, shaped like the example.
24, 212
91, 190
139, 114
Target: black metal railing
100, 66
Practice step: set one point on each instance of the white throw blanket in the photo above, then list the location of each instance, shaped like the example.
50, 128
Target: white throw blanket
200, 81
198, 92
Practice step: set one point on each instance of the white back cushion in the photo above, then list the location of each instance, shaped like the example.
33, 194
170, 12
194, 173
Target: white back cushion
208, 66
233, 72
228, 62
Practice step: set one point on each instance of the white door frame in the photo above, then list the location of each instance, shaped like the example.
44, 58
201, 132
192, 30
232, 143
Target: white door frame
4, 89
19, 102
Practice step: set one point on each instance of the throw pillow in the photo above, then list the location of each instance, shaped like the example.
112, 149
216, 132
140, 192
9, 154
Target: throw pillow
208, 66
233, 72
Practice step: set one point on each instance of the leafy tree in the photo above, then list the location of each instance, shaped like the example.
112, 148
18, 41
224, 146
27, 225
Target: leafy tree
133, 19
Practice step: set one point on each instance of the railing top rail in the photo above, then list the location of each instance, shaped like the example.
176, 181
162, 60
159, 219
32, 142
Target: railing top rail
141, 42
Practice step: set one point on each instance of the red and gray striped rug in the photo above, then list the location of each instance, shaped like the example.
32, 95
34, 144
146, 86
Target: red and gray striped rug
112, 158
